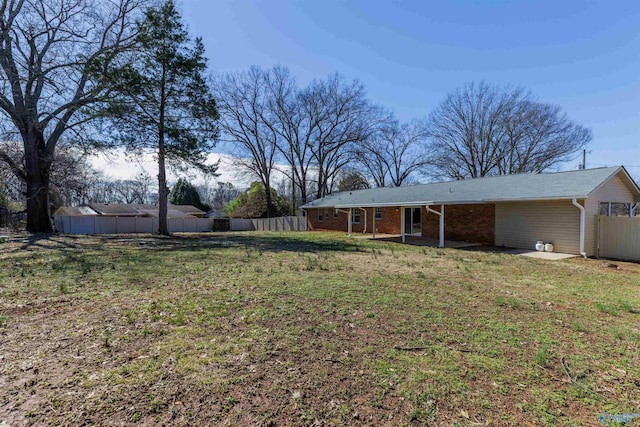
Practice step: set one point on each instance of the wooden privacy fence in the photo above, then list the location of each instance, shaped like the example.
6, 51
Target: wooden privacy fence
619, 237
284, 223
121, 225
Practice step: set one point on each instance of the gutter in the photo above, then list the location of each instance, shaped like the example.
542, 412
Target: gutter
448, 202
582, 216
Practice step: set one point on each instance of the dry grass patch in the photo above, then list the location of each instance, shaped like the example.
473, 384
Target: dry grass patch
309, 329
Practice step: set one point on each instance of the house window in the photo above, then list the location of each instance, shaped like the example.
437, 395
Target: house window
378, 214
319, 215
326, 213
335, 213
355, 216
615, 209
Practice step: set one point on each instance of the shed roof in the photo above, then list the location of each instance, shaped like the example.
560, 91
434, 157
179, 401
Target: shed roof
530, 186
119, 209
130, 210
171, 213
188, 209
74, 211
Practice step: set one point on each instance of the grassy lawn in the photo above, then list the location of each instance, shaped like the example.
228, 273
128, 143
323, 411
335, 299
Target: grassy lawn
273, 329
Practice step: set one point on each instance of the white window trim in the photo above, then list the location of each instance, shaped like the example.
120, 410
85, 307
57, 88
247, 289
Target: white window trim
378, 218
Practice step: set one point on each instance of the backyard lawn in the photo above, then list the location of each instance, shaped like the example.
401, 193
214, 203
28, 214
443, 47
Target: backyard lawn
271, 329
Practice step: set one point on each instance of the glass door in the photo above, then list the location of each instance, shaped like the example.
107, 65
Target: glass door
413, 221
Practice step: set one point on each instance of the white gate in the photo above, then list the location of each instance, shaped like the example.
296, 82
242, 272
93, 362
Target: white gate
619, 237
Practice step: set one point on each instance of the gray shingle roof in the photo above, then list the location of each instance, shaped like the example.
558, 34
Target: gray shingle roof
558, 185
130, 210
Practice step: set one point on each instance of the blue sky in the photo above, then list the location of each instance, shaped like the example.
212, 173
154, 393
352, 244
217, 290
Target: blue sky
581, 55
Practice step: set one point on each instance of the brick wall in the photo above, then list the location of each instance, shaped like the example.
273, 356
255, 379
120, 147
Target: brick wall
389, 224
466, 223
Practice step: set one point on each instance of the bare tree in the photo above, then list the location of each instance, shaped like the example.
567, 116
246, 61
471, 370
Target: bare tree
268, 119
483, 130
352, 180
295, 126
394, 152
136, 190
340, 115
53, 58
247, 123
538, 137
71, 175
219, 195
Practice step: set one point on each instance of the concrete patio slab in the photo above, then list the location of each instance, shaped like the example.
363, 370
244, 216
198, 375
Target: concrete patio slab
415, 240
553, 256
424, 241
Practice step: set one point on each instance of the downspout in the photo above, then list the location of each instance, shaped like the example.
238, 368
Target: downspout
441, 215
582, 215
364, 229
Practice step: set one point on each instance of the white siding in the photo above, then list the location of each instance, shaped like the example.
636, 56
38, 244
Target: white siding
614, 190
522, 224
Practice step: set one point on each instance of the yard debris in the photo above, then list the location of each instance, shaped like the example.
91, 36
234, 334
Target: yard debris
416, 348
567, 371
606, 264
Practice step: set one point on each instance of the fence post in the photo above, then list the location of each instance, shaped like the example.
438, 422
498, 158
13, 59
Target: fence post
598, 238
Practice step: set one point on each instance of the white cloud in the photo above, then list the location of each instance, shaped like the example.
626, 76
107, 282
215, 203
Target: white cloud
118, 165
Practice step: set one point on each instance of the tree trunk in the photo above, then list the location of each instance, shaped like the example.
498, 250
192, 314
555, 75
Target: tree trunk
38, 167
269, 199
303, 189
163, 191
38, 213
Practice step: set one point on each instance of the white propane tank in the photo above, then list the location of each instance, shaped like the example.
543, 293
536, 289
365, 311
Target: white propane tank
548, 247
540, 246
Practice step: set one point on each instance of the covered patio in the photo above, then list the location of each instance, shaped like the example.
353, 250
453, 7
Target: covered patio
414, 240
435, 243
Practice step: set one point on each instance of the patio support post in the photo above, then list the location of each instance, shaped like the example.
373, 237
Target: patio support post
441, 231
349, 222
442, 226
373, 223
402, 224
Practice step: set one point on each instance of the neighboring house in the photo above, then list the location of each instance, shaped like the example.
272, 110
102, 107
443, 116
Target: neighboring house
111, 218
511, 210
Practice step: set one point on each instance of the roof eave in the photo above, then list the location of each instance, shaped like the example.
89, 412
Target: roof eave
443, 202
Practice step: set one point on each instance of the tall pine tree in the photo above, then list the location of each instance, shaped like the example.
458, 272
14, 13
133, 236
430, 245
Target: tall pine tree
166, 103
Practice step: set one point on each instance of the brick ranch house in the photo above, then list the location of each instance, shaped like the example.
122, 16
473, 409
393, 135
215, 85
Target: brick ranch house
513, 210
